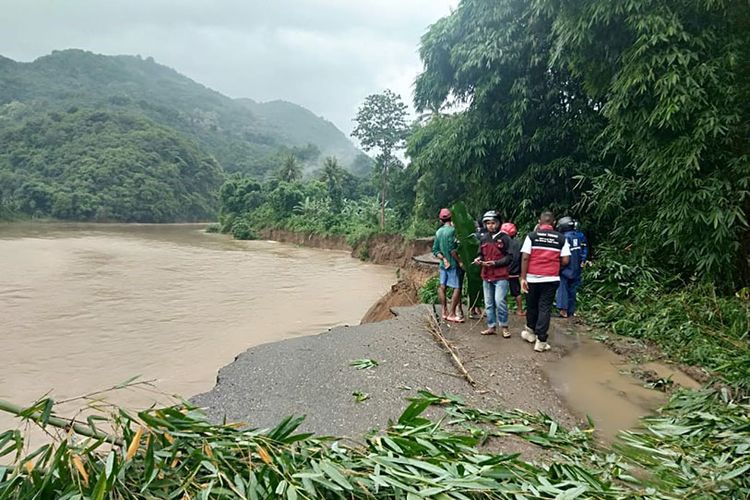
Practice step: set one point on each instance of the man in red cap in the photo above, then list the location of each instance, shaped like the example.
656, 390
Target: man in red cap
445, 248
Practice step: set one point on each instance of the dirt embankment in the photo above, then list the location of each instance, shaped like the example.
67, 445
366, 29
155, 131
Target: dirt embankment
390, 249
306, 239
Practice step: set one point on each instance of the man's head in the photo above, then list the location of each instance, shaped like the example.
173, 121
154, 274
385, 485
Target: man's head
547, 219
565, 224
491, 220
444, 215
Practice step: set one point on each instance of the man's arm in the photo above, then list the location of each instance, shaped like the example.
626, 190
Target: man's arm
508, 258
524, 270
584, 248
565, 254
525, 255
454, 254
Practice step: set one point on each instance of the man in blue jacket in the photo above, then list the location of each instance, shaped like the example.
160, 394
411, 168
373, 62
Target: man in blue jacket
570, 275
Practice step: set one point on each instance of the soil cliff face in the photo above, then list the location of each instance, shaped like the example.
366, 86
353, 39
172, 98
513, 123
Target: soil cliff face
390, 249
306, 239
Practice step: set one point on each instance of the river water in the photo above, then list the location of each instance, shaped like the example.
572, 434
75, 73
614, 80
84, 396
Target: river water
84, 307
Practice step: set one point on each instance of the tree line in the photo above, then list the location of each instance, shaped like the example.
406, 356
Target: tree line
631, 117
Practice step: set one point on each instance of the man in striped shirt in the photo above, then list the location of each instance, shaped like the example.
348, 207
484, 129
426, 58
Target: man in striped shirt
543, 252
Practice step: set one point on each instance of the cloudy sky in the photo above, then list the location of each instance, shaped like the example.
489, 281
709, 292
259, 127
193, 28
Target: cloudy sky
324, 54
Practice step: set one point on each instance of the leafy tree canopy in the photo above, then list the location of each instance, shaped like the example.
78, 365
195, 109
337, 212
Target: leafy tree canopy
103, 165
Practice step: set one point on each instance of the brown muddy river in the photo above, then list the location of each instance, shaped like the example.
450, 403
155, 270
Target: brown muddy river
84, 307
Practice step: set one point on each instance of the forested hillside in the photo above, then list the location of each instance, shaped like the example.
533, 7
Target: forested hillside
103, 165
47, 140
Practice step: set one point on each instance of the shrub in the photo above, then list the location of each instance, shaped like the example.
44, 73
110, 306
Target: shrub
241, 230
428, 293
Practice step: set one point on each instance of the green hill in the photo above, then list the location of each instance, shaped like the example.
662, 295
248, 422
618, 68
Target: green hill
102, 165
57, 95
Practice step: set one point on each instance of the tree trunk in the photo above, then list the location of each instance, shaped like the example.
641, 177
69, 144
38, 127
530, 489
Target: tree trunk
382, 198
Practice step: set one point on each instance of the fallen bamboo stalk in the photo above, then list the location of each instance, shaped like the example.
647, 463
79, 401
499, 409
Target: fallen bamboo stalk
437, 333
60, 423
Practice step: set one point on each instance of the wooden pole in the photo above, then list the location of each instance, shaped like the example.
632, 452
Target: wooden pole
437, 333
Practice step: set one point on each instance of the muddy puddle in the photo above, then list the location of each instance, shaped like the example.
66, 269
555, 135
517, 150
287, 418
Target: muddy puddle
596, 382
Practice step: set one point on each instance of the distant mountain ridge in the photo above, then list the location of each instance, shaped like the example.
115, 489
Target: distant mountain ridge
121, 138
300, 126
242, 134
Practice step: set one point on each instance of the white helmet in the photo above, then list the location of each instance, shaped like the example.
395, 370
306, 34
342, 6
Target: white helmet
491, 215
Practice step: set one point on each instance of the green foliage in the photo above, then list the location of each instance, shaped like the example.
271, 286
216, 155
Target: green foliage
526, 132
468, 247
286, 197
337, 181
290, 170
628, 117
381, 126
240, 194
241, 230
243, 136
311, 206
697, 447
105, 166
428, 292
692, 324
363, 364
674, 78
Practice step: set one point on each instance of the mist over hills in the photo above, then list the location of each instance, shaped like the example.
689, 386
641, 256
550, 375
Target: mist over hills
44, 105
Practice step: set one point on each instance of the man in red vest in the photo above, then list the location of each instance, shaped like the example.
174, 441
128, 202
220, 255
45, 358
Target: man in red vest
542, 254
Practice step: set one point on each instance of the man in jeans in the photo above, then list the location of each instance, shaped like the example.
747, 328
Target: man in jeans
542, 254
494, 257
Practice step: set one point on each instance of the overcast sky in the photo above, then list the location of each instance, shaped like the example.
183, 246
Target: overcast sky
326, 55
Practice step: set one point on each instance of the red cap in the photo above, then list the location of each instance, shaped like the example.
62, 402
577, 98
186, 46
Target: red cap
444, 214
509, 228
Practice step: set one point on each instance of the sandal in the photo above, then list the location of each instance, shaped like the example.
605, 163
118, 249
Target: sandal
455, 319
488, 331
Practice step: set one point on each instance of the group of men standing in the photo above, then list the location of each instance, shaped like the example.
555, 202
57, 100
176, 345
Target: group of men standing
547, 266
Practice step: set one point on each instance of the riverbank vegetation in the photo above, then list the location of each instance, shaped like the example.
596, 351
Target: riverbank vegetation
330, 202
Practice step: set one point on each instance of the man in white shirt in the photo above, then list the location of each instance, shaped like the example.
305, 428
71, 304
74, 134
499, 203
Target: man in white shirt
543, 252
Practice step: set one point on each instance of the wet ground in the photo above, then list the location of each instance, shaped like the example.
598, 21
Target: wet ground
579, 377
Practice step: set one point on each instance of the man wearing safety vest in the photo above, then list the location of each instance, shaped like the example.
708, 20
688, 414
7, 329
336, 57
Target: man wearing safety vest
543, 252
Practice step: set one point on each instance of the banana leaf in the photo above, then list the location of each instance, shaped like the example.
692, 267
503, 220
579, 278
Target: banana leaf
468, 247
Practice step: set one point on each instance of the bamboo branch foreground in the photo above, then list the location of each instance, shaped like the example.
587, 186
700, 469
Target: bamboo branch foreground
60, 423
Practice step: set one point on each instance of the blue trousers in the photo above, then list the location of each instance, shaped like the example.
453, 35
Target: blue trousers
566, 294
494, 302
